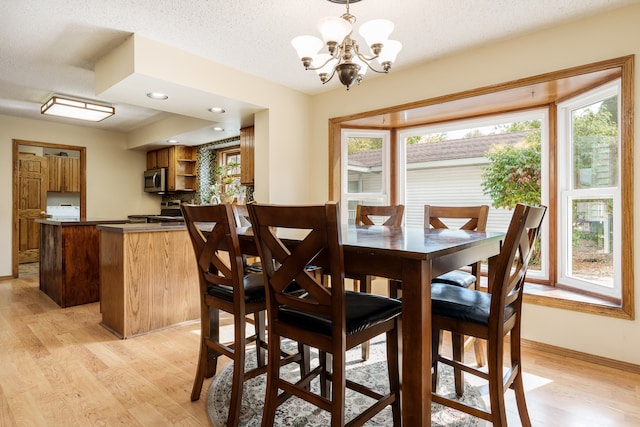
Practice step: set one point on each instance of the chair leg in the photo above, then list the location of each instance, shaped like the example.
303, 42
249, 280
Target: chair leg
213, 332
436, 341
200, 371
338, 389
393, 355
518, 385
394, 288
478, 349
260, 326
273, 371
324, 360
457, 341
305, 359
239, 352
496, 384
365, 286
207, 358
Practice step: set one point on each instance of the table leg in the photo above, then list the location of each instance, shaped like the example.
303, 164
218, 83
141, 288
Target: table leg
416, 345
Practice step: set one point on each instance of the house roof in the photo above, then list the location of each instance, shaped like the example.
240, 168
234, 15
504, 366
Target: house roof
452, 149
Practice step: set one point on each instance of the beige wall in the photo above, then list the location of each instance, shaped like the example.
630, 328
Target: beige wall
590, 40
114, 174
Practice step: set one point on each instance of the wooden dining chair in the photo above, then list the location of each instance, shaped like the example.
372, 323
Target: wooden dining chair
472, 218
225, 286
327, 318
490, 316
388, 216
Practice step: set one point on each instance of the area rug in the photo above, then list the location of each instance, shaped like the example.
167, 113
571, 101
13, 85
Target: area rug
297, 413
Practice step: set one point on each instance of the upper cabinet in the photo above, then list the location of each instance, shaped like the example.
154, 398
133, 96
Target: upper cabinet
64, 174
158, 159
180, 162
247, 156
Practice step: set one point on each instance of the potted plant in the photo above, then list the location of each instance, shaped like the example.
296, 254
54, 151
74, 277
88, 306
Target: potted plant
227, 187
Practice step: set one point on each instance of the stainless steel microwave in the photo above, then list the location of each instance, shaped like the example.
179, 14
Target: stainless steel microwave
155, 180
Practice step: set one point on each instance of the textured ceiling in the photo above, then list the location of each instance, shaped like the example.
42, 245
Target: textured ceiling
52, 47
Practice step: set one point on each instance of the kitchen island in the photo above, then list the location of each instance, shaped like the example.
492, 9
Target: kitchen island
69, 260
149, 277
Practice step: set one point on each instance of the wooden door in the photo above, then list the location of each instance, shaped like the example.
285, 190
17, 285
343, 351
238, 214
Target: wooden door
32, 200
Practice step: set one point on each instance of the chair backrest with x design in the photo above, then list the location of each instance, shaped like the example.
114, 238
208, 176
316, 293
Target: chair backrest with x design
392, 215
210, 230
321, 245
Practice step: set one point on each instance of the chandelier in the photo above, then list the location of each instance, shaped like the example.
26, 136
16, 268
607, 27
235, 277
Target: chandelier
344, 57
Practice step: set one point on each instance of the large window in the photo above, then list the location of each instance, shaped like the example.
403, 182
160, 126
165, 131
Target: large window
365, 171
563, 139
497, 161
589, 192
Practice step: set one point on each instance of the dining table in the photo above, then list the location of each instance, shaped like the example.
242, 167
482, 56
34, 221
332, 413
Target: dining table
414, 256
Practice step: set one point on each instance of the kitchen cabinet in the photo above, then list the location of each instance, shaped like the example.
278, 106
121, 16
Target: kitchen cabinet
158, 158
64, 174
69, 260
180, 162
181, 175
247, 155
143, 289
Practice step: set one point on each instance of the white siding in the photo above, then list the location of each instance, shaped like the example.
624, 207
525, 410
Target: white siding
449, 186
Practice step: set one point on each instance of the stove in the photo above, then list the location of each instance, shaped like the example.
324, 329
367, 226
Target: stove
170, 208
64, 212
169, 212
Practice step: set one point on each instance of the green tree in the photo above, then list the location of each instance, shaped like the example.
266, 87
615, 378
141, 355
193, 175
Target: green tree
357, 145
513, 174
432, 137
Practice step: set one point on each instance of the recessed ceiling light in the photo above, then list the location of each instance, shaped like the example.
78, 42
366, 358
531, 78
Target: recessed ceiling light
157, 95
172, 141
217, 110
218, 129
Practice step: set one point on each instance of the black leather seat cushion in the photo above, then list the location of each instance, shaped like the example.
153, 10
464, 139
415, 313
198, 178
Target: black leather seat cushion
461, 303
456, 278
253, 289
362, 310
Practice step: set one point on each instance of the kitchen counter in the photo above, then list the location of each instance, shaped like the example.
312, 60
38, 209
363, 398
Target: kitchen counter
141, 227
78, 221
149, 277
70, 259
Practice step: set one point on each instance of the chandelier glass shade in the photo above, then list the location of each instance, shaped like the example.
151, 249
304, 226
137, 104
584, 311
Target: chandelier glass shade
343, 56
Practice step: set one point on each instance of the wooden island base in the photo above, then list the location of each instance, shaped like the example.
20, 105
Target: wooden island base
69, 260
148, 278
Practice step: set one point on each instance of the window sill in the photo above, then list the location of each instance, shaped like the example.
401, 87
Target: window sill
550, 296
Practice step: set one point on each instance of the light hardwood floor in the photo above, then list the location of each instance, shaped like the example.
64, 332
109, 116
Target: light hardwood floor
59, 367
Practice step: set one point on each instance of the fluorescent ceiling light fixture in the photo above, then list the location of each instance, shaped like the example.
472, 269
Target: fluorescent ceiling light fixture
218, 129
157, 95
218, 110
76, 109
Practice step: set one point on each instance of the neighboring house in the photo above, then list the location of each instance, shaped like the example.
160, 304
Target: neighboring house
439, 173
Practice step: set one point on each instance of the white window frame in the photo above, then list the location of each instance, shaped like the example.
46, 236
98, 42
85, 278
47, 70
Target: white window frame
566, 194
448, 127
383, 197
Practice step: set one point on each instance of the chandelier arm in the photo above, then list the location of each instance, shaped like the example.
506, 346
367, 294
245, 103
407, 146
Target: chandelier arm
368, 62
333, 72
310, 68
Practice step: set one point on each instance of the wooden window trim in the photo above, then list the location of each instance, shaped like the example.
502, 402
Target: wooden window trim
473, 99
